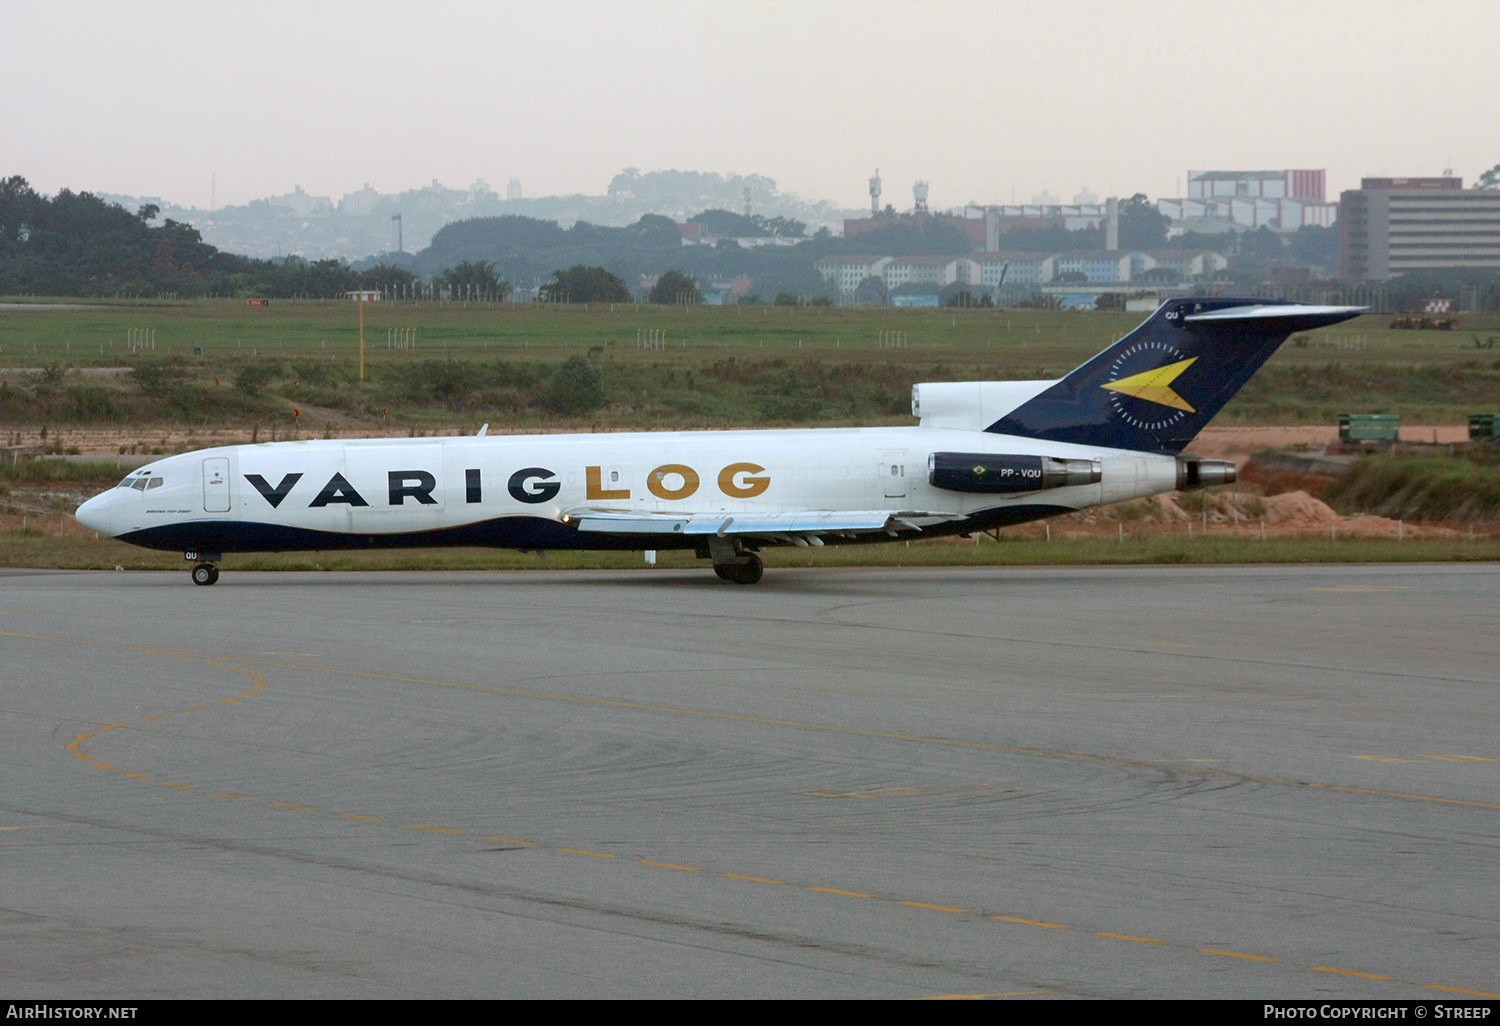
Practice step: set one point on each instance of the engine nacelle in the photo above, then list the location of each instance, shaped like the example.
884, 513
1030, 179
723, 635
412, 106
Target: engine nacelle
1003, 474
1196, 472
970, 405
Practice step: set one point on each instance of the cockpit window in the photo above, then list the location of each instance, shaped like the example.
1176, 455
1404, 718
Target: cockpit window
140, 480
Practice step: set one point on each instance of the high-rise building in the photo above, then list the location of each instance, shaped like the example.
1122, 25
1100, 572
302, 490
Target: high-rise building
1392, 225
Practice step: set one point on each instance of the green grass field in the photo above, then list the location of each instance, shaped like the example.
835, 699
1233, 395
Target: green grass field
714, 366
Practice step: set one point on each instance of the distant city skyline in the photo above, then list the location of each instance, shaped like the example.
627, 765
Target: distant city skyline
1082, 194
989, 102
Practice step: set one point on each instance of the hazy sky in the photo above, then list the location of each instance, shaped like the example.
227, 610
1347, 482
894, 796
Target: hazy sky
984, 99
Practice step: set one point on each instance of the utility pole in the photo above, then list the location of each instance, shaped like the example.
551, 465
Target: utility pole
361, 331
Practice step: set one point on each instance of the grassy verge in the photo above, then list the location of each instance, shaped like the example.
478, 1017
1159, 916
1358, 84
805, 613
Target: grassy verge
1464, 486
35, 549
218, 364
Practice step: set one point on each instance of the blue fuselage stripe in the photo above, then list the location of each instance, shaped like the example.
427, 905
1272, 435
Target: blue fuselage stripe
516, 532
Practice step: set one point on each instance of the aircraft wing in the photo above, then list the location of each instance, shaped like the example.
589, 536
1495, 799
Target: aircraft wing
800, 527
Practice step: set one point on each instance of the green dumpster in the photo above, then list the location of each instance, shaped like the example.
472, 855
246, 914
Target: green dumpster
1363, 427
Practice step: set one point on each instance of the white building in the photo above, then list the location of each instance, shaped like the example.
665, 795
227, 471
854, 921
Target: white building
1217, 215
1219, 201
1188, 263
1074, 216
846, 272
1101, 267
922, 270
303, 205
361, 203
1013, 268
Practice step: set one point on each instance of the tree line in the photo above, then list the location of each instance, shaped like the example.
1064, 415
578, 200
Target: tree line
76, 244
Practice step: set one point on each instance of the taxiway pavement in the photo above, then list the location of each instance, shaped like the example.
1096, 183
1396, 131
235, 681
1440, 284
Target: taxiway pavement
1214, 782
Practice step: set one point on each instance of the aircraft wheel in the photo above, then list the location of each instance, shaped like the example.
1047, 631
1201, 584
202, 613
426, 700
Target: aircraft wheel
748, 572
205, 573
725, 571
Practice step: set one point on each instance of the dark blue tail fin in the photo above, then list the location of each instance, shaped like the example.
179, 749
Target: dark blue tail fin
1156, 388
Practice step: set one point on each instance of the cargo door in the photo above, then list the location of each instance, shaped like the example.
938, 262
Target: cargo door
216, 485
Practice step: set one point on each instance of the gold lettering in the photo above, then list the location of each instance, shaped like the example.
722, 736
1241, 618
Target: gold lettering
655, 481
594, 480
751, 487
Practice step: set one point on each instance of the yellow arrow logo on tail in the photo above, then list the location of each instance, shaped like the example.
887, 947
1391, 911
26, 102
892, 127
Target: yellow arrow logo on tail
1155, 386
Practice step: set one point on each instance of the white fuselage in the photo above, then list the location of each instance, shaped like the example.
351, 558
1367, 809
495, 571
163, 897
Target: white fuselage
332, 493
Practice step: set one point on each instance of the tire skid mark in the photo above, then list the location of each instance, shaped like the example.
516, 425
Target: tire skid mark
791, 887
76, 748
1050, 753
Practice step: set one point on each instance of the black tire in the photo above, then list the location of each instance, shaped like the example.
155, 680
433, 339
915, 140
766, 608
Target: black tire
750, 571
725, 571
205, 573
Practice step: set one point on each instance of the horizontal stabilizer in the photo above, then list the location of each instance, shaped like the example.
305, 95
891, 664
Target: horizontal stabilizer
1307, 315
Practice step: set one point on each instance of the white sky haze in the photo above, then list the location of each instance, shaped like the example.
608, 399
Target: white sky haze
985, 100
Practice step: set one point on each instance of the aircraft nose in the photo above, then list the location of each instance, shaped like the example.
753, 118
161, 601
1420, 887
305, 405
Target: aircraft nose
94, 514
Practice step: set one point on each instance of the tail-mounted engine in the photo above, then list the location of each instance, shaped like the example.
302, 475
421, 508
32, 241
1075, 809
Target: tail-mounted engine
990, 474
1196, 472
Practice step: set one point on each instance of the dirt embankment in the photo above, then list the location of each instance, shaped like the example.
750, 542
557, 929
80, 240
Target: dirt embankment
1277, 498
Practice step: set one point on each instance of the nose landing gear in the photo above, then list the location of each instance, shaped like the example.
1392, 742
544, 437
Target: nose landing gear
206, 571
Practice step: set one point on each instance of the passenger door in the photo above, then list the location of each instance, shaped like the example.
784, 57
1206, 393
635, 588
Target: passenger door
216, 485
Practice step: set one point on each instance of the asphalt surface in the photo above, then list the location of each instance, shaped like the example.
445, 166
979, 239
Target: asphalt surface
1244, 782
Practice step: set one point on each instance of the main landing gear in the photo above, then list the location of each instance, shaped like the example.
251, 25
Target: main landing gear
748, 572
732, 562
207, 571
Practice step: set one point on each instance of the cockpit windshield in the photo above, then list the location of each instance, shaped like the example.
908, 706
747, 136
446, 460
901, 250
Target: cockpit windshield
141, 482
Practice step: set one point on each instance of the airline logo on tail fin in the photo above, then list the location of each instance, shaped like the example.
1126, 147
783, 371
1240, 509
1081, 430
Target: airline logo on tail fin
1152, 386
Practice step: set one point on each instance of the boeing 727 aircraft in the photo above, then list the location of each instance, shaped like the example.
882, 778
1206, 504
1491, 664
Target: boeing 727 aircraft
985, 455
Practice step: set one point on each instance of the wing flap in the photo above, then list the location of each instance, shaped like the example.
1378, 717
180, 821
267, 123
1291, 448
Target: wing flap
787, 524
